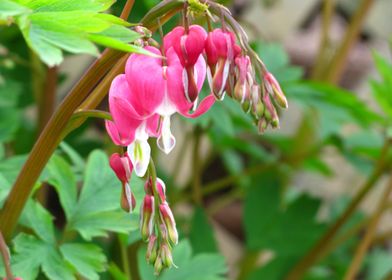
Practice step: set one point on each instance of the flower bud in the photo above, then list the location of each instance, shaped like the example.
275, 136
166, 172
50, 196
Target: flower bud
158, 266
152, 249
166, 255
160, 185
127, 200
121, 166
262, 125
257, 105
147, 217
272, 87
169, 222
145, 32
270, 112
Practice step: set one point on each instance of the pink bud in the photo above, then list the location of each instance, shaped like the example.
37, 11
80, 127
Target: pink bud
257, 105
270, 113
272, 87
160, 185
122, 166
147, 217
244, 82
169, 222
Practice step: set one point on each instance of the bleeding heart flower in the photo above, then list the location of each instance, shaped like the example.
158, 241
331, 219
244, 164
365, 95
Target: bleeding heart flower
141, 105
221, 49
188, 45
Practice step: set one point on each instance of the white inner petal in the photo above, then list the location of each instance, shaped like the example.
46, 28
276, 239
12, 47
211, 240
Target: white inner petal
128, 195
139, 152
166, 140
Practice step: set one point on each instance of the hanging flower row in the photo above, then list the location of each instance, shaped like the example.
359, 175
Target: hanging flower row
153, 88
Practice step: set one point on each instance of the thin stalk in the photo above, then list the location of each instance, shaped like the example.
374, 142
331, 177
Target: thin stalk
125, 259
5, 254
321, 60
336, 66
196, 181
367, 239
127, 9
319, 248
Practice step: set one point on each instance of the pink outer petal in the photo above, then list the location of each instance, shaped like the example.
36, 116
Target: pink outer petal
204, 106
172, 38
119, 137
140, 71
194, 44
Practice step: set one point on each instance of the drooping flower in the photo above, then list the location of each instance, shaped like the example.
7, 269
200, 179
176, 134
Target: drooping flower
147, 210
188, 44
142, 108
273, 88
221, 49
122, 167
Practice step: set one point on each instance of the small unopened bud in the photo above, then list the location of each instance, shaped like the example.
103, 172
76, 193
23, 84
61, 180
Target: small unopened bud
166, 255
169, 222
147, 217
270, 111
272, 86
242, 95
257, 105
158, 265
262, 125
152, 249
161, 188
145, 32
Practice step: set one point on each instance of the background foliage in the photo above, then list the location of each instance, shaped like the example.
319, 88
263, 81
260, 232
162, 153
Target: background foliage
72, 226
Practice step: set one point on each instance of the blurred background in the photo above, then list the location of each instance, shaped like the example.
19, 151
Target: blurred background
308, 201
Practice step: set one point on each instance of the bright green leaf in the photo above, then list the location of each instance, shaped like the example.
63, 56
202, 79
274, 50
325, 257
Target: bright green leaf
10, 8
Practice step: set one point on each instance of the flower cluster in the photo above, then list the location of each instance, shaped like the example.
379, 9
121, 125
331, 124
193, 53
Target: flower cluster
155, 87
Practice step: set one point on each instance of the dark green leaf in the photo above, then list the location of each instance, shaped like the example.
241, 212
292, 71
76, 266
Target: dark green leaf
201, 235
87, 259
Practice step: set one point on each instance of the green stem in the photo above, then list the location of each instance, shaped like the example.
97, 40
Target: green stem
318, 250
336, 67
125, 259
367, 239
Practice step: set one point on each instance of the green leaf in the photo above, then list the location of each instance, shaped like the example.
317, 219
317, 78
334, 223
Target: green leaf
36, 217
98, 209
64, 181
289, 231
378, 264
204, 266
31, 254
201, 235
73, 26
10, 8
87, 259
382, 90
